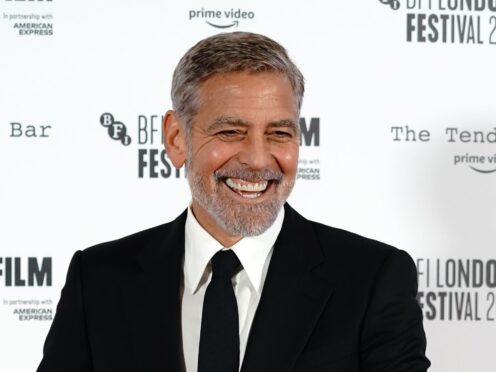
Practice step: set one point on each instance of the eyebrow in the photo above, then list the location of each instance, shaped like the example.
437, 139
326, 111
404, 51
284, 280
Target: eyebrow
223, 121
284, 123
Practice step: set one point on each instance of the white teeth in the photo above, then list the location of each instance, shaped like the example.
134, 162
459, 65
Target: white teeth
248, 186
251, 196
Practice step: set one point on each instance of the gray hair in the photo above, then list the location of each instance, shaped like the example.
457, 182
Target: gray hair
223, 53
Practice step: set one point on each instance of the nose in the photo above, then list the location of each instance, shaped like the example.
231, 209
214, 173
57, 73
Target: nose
256, 153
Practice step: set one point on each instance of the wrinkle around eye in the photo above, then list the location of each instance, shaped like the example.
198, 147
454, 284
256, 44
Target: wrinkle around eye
203, 144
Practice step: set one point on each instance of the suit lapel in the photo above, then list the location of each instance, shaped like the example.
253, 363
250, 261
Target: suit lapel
296, 290
152, 302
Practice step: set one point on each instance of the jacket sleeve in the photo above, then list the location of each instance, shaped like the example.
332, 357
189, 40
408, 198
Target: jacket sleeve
66, 347
393, 338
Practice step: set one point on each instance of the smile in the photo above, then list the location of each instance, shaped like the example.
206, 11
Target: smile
246, 189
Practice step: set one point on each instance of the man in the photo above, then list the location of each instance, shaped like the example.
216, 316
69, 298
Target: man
239, 281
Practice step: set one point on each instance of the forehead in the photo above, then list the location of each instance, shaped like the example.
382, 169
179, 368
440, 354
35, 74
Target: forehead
247, 90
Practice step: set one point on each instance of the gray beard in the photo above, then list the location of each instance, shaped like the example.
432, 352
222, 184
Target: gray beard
237, 218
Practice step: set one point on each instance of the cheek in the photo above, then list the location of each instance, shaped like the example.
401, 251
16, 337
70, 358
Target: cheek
288, 159
212, 157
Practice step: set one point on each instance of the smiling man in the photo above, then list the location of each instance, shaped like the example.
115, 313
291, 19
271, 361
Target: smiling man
241, 151
240, 280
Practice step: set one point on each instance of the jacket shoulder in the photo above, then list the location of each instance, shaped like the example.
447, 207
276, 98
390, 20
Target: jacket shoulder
122, 254
127, 245
362, 253
341, 245
350, 240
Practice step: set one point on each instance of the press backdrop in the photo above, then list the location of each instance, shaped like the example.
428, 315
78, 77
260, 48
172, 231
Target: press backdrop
399, 142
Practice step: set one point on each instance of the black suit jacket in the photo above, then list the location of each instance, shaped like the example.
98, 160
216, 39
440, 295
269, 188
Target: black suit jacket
332, 301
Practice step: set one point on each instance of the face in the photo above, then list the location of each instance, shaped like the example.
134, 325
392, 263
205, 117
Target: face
242, 155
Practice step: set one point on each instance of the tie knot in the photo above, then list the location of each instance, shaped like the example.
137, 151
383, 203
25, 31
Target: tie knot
224, 264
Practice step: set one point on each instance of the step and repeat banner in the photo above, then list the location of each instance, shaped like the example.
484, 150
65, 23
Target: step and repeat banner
398, 143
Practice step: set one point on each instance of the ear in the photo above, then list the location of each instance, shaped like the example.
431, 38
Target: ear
174, 139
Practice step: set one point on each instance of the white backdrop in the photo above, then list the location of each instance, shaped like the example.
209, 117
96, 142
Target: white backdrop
401, 94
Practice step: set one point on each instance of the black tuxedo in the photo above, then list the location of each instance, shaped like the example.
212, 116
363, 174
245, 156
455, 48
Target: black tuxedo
332, 301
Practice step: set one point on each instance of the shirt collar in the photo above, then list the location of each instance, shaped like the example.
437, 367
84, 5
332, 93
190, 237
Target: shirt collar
251, 251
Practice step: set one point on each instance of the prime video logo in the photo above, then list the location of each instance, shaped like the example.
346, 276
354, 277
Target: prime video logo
221, 18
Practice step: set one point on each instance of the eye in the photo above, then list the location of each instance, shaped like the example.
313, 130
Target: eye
231, 134
281, 135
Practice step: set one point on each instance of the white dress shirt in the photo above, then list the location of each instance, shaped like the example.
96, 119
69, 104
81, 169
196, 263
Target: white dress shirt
254, 253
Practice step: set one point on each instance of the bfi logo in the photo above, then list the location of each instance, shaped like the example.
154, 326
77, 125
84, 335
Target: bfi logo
116, 129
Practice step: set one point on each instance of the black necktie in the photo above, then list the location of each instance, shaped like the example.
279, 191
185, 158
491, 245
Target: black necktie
219, 337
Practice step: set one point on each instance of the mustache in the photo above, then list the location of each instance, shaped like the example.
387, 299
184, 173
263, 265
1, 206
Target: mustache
249, 175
